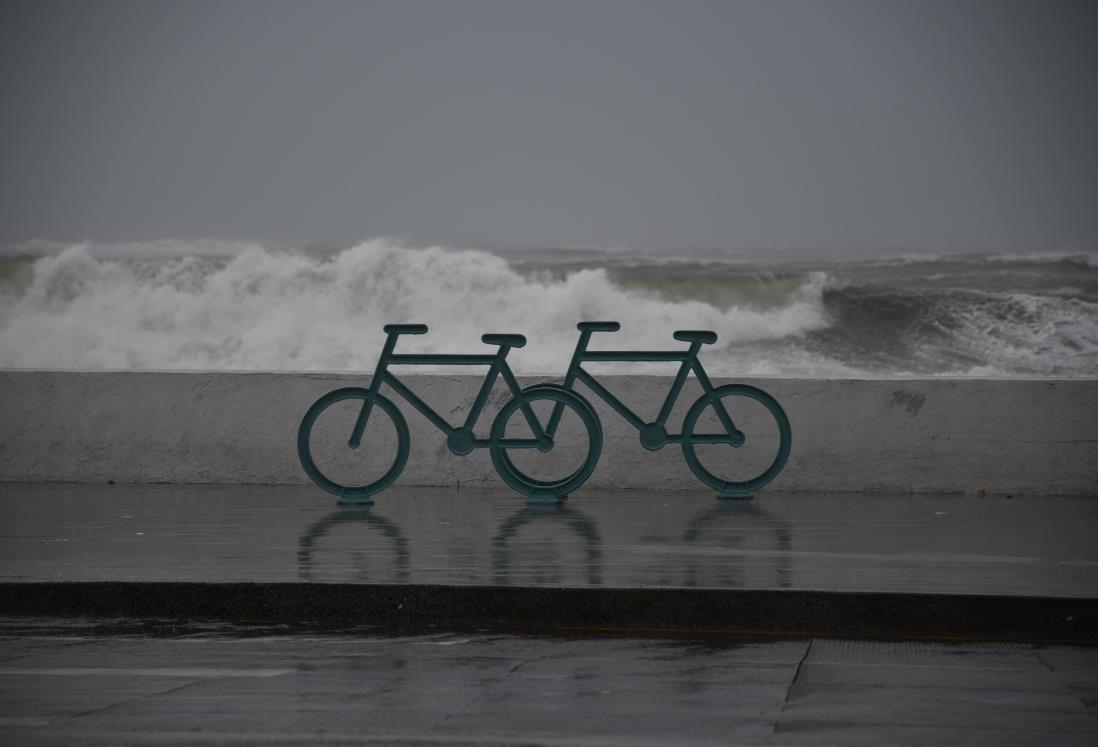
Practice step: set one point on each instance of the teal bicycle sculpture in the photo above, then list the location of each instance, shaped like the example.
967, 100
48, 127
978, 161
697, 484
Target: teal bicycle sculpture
768, 424
351, 410
774, 438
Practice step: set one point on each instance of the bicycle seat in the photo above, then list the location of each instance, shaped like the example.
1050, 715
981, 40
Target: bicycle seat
405, 329
696, 335
598, 326
511, 341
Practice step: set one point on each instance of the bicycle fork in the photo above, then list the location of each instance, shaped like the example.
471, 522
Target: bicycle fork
569, 382
375, 387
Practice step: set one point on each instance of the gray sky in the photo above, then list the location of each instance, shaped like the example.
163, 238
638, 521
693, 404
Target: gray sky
958, 124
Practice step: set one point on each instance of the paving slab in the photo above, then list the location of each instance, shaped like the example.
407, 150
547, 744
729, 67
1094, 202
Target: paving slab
445, 689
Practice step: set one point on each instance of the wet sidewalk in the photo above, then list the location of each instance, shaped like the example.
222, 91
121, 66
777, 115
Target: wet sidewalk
218, 615
674, 563
63, 684
1044, 547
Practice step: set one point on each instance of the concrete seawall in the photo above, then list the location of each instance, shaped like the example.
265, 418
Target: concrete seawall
931, 435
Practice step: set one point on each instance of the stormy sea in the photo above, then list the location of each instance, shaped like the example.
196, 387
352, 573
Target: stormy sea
232, 305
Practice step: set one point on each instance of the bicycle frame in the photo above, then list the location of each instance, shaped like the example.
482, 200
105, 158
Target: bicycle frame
461, 437
688, 360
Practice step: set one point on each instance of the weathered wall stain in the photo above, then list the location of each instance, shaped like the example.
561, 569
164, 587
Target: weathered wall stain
912, 402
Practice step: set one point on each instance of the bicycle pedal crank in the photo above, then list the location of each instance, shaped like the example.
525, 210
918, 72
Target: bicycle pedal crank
653, 436
461, 441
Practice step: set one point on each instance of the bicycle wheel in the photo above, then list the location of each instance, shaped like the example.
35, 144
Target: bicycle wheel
353, 474
762, 433
549, 474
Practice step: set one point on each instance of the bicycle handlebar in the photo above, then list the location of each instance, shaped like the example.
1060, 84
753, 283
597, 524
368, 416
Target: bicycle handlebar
405, 329
598, 326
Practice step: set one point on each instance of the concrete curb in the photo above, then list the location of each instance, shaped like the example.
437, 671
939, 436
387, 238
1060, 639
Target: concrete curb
683, 613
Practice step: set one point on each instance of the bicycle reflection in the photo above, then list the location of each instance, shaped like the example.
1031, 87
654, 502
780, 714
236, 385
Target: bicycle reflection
544, 567
760, 545
732, 545
358, 569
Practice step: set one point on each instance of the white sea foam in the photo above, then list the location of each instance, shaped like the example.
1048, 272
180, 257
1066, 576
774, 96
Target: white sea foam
253, 308
239, 305
1029, 333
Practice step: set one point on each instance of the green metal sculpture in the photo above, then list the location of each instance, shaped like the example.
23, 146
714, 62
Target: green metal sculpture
543, 428
460, 439
654, 435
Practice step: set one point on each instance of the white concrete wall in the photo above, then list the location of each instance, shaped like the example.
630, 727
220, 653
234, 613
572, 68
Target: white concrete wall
997, 436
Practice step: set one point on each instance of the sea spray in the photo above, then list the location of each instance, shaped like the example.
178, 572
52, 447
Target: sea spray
283, 310
246, 305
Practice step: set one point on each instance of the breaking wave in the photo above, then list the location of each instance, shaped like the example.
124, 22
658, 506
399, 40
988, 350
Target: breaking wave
291, 310
243, 306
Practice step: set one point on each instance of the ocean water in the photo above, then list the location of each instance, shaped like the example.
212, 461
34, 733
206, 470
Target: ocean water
250, 306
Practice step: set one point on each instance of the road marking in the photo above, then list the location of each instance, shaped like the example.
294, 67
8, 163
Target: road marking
135, 672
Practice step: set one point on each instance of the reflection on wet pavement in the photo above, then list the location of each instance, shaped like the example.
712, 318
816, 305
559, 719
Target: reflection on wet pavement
937, 544
544, 566
398, 552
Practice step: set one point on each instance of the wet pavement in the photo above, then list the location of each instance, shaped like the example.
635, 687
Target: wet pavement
1044, 547
930, 544
63, 684
172, 572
